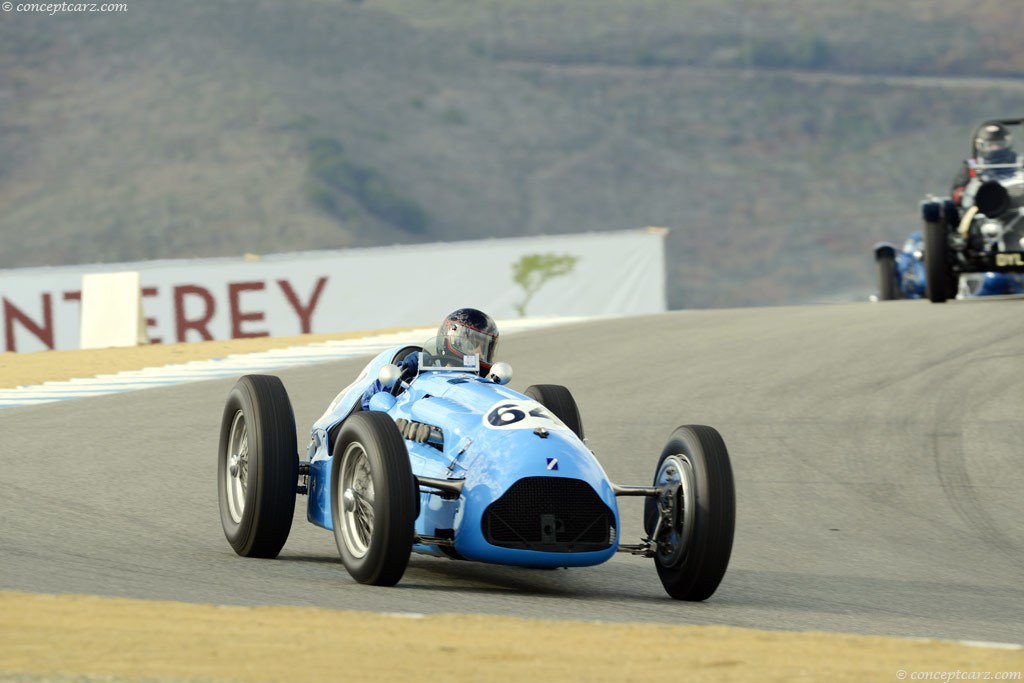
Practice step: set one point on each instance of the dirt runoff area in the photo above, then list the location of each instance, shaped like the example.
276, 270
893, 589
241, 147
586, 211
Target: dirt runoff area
76, 638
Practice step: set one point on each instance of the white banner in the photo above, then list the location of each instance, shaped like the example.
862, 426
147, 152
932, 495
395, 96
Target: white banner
354, 289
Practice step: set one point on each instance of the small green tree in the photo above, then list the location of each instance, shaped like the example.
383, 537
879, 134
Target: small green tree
533, 270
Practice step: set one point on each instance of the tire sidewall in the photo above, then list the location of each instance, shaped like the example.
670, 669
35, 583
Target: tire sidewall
887, 284
238, 534
696, 575
272, 466
936, 262
559, 400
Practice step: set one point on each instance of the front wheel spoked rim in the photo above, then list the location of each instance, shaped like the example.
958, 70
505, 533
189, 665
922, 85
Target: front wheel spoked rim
357, 498
236, 472
677, 501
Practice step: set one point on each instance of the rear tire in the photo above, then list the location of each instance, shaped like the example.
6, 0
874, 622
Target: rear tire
695, 539
888, 288
937, 269
257, 466
373, 499
559, 401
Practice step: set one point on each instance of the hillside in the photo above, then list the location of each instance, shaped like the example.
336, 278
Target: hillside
778, 140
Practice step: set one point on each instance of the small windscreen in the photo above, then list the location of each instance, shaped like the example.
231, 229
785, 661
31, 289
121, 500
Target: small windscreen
437, 357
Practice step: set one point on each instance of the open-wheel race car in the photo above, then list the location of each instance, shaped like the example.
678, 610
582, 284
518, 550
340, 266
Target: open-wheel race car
449, 463
900, 271
985, 234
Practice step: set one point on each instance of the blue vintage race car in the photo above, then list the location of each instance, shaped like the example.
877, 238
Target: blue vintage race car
901, 274
452, 464
900, 271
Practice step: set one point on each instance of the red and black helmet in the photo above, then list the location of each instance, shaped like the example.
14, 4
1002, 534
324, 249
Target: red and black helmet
467, 331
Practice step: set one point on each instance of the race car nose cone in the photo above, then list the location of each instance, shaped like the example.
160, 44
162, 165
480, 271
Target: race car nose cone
349, 500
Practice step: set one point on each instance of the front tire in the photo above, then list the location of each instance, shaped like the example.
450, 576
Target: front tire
697, 513
373, 499
257, 466
937, 269
559, 401
887, 282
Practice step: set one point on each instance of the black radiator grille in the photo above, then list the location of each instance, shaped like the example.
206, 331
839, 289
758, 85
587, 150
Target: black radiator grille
550, 514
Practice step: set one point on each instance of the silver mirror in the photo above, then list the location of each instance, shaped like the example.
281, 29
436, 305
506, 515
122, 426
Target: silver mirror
389, 376
501, 373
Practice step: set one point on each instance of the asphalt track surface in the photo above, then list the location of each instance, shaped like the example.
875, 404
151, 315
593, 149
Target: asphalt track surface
876, 449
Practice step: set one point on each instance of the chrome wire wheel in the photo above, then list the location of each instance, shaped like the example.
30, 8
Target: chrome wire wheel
373, 498
357, 515
236, 474
678, 507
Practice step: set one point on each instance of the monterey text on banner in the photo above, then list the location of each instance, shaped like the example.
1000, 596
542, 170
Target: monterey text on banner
590, 274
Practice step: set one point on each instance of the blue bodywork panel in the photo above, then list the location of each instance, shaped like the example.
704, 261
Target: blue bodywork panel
483, 434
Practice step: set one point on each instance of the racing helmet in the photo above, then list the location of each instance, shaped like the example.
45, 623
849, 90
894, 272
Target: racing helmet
992, 137
467, 331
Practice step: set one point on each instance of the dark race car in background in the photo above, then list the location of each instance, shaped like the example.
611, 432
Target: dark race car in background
985, 234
